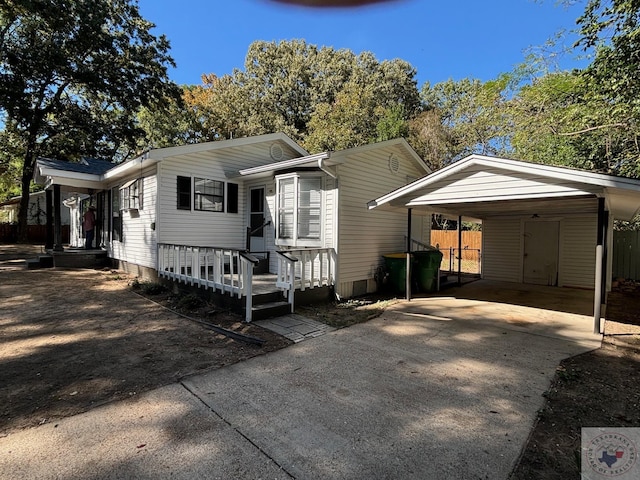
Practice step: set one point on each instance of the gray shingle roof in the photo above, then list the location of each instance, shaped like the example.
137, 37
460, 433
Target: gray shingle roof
93, 166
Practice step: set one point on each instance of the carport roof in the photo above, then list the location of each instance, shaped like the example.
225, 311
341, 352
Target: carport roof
479, 186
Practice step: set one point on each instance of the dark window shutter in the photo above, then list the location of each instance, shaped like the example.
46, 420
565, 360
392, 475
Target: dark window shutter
232, 198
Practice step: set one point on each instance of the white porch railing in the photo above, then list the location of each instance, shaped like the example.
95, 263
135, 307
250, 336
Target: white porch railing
305, 269
224, 269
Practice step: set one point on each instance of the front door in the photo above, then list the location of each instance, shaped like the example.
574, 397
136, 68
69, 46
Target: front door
256, 219
540, 263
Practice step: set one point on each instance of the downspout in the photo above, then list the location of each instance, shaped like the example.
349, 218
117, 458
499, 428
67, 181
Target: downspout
336, 266
322, 166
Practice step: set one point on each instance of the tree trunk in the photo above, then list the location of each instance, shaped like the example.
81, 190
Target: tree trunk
23, 212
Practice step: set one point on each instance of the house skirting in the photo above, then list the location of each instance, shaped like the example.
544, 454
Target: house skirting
143, 273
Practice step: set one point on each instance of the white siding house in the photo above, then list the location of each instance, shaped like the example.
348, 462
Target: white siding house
136, 242
365, 236
190, 195
501, 249
260, 195
349, 178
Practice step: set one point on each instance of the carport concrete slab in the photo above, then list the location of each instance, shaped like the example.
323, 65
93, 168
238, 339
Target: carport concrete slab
433, 388
563, 313
167, 433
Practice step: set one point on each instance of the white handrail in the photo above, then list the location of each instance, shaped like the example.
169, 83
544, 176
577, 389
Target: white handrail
231, 270
304, 269
225, 269
286, 276
417, 245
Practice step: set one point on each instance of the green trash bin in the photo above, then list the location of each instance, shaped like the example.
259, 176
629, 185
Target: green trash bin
427, 265
396, 265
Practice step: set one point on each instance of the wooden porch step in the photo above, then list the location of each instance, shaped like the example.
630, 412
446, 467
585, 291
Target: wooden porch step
269, 310
42, 261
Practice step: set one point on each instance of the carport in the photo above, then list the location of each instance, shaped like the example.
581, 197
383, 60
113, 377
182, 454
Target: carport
542, 225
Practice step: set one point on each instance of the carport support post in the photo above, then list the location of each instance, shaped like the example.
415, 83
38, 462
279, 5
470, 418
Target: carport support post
459, 250
408, 279
597, 293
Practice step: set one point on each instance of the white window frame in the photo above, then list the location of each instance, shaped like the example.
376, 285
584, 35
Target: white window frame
131, 195
295, 240
199, 197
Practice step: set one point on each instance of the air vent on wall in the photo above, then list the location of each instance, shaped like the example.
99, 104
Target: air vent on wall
276, 152
394, 163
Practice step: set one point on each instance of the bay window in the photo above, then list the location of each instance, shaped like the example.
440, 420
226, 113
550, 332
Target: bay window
299, 210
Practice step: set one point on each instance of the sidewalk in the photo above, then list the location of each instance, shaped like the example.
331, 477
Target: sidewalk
295, 327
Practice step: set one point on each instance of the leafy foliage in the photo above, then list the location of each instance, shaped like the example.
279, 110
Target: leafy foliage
324, 98
431, 139
73, 74
612, 29
473, 112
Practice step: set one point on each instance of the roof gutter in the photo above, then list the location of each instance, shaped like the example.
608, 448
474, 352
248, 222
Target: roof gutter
285, 164
126, 167
324, 168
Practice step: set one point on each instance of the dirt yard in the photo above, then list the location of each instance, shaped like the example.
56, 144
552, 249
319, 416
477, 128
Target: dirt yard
74, 339
596, 389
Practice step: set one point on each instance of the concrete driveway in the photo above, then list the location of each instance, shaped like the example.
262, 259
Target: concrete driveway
442, 387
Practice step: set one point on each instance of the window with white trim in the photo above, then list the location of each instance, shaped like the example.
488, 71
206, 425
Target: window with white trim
299, 210
131, 195
208, 195
116, 217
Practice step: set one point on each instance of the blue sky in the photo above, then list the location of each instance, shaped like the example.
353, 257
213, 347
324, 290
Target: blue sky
441, 39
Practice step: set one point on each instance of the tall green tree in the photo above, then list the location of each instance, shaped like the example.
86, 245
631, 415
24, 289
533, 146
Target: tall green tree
552, 121
11, 151
73, 74
431, 139
473, 112
310, 93
218, 107
349, 121
611, 28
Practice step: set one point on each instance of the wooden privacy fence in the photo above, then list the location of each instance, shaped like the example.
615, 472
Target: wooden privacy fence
469, 256
35, 233
626, 255
449, 238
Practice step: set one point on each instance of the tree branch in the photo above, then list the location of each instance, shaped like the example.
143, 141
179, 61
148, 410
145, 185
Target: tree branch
590, 129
